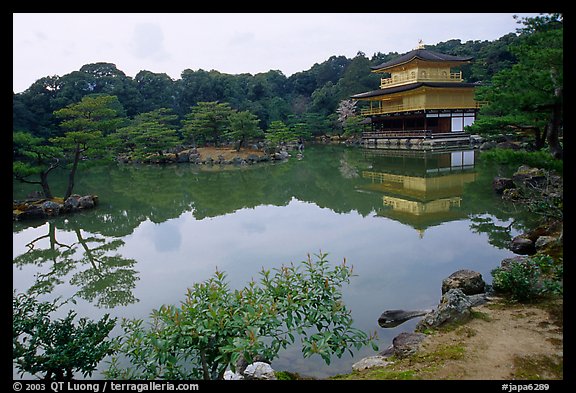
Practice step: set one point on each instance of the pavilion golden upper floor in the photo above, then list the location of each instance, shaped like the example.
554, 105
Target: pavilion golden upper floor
420, 80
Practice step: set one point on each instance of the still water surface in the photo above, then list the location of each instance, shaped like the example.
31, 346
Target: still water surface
404, 220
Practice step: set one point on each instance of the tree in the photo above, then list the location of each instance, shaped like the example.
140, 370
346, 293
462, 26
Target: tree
528, 96
157, 90
215, 325
33, 108
32, 156
243, 126
207, 122
86, 123
57, 348
278, 133
314, 124
149, 133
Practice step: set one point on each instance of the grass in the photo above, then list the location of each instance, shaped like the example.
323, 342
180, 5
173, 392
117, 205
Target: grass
538, 367
412, 367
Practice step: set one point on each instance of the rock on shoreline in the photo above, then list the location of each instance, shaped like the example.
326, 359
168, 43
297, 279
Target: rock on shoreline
42, 208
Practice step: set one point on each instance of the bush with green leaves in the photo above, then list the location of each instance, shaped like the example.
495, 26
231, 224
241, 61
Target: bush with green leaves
529, 278
56, 348
215, 325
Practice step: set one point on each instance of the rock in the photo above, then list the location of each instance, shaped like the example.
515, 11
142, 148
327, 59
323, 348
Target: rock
51, 208
478, 299
72, 202
87, 202
194, 158
487, 145
252, 158
31, 213
507, 262
508, 145
182, 158
230, 376
242, 363
529, 176
454, 307
522, 245
468, 281
393, 318
371, 361
499, 184
259, 370
544, 241
511, 194
406, 344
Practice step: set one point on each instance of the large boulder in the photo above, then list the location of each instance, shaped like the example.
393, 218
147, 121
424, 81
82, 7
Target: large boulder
455, 307
529, 176
393, 318
51, 208
259, 370
406, 344
468, 281
371, 361
522, 245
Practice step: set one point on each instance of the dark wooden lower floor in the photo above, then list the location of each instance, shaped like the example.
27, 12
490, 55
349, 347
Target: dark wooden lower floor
415, 138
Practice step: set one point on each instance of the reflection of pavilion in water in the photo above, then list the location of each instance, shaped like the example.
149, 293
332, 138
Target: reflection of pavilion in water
421, 188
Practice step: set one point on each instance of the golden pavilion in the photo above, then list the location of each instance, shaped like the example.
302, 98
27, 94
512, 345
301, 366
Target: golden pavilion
422, 99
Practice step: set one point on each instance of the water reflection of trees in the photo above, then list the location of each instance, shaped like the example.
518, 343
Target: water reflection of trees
132, 194
103, 277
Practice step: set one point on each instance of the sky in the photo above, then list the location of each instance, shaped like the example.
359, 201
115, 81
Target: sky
49, 44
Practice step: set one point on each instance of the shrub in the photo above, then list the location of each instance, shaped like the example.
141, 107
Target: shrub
528, 279
214, 325
537, 159
57, 348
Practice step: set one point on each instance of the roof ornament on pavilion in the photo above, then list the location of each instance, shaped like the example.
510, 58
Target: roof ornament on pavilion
421, 54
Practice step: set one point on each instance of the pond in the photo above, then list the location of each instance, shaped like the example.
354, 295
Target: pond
404, 219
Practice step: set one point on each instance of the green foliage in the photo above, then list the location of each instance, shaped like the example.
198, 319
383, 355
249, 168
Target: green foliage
353, 126
545, 197
271, 96
214, 325
86, 124
57, 348
535, 159
279, 133
149, 133
529, 279
207, 122
528, 95
33, 156
311, 124
243, 126
95, 112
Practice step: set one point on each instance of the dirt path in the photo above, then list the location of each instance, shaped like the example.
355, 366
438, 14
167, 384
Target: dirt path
503, 342
227, 152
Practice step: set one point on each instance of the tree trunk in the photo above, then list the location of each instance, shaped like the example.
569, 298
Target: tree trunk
239, 144
556, 119
45, 186
539, 138
73, 172
552, 134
